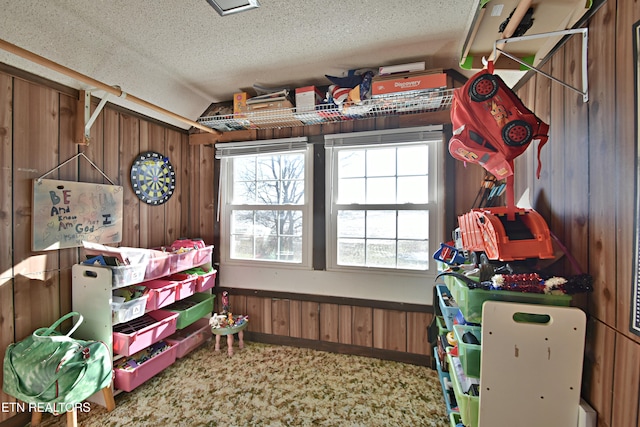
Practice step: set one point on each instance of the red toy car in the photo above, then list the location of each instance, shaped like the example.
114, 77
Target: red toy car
492, 126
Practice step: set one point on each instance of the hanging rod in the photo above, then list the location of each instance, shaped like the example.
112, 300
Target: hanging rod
97, 84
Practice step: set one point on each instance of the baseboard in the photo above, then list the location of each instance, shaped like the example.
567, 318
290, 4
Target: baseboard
333, 347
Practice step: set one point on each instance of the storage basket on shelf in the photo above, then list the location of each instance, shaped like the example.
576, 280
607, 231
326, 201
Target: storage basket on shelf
135, 335
131, 373
448, 305
191, 337
192, 308
469, 353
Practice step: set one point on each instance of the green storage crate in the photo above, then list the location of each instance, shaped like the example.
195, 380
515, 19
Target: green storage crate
192, 308
469, 354
455, 419
470, 300
468, 405
442, 326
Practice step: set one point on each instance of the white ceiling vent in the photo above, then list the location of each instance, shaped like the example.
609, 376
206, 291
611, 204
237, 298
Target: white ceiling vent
227, 7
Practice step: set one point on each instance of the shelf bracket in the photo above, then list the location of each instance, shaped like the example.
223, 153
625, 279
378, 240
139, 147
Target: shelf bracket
585, 36
85, 118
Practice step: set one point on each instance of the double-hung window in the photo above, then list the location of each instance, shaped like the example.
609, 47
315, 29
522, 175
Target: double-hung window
383, 199
266, 201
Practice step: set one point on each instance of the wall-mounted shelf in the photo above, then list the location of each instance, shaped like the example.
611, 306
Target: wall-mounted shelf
438, 100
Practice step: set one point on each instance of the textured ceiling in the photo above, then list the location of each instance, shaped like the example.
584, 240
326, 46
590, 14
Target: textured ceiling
183, 56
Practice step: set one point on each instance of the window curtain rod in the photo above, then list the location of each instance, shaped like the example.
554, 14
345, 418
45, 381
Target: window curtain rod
11, 48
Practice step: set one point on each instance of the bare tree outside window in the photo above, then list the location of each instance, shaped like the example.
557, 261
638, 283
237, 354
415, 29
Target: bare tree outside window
266, 218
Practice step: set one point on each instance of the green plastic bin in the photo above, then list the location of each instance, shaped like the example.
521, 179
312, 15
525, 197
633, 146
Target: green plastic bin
192, 308
469, 354
470, 300
468, 405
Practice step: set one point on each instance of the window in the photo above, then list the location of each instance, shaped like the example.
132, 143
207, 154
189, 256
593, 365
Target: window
383, 199
266, 201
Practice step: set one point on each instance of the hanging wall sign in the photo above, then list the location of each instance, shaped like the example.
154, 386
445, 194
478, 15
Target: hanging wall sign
66, 212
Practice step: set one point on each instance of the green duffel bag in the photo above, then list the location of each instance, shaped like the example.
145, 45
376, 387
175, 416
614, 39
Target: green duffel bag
54, 372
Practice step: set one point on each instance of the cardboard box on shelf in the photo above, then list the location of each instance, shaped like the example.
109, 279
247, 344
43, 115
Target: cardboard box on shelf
240, 103
308, 97
272, 114
408, 83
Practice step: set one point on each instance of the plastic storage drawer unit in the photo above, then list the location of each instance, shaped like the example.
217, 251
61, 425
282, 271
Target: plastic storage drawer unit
193, 336
136, 335
192, 308
206, 281
470, 300
125, 311
161, 293
469, 353
468, 405
448, 311
185, 284
129, 379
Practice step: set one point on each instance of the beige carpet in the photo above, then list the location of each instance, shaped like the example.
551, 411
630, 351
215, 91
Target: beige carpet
268, 385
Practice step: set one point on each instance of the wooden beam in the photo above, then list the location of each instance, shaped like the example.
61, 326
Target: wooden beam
208, 138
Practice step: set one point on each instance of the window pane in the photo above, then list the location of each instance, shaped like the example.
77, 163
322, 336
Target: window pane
413, 189
351, 163
350, 224
381, 253
413, 160
381, 224
413, 254
351, 190
381, 190
269, 179
351, 252
266, 235
413, 225
381, 162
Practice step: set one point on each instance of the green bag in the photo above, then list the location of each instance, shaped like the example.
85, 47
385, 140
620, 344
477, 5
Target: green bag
54, 371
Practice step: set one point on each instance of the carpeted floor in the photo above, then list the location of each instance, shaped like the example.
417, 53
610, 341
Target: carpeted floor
268, 385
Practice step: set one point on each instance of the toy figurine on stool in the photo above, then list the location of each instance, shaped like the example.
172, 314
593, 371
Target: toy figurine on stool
228, 324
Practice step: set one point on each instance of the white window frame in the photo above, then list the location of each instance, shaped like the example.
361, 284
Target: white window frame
435, 206
226, 152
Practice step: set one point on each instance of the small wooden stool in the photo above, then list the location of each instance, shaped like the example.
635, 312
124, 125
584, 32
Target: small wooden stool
72, 416
229, 332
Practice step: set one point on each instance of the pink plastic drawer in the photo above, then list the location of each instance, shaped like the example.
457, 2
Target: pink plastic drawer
203, 256
185, 284
127, 380
136, 335
182, 261
206, 281
188, 339
162, 292
158, 266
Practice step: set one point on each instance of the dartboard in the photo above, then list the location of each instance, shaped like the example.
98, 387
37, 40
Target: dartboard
152, 178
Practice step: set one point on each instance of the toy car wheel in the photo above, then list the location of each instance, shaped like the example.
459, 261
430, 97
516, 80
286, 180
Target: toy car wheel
483, 88
517, 133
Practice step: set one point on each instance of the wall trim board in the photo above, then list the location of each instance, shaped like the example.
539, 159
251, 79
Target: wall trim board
324, 299
333, 347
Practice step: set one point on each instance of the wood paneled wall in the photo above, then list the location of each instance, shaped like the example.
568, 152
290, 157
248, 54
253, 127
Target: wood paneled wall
586, 195
37, 122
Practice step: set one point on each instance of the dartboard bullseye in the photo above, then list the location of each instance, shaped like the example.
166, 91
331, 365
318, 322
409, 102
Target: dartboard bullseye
153, 178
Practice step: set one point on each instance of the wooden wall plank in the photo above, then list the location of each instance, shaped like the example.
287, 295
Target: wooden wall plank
345, 328
129, 149
6, 225
602, 148
280, 317
626, 383
628, 13
576, 170
362, 330
329, 322
67, 149
310, 325
390, 329
542, 186
259, 312
173, 207
295, 318
417, 324
152, 218
597, 381
36, 292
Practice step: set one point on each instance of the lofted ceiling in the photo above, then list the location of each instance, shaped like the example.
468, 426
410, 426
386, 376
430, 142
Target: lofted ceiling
182, 56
